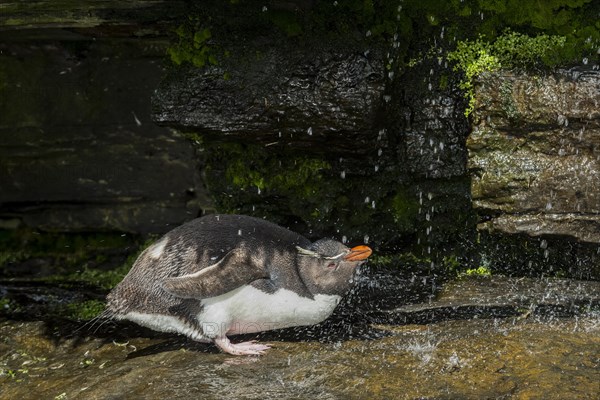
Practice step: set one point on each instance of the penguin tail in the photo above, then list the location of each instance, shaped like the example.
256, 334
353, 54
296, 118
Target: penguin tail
115, 304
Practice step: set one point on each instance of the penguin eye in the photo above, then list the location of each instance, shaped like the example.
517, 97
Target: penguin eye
331, 266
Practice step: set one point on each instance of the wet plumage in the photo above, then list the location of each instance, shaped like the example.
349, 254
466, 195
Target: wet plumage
223, 275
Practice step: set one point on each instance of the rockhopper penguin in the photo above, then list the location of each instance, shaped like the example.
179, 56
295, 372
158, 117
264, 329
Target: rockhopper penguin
224, 275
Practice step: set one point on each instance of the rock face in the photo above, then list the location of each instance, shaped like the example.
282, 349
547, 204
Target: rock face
78, 150
326, 135
534, 153
322, 137
288, 94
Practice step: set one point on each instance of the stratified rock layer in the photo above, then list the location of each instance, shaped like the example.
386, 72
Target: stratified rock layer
534, 153
306, 94
78, 151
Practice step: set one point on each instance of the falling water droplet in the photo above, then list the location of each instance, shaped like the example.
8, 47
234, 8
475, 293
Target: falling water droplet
367, 199
376, 168
544, 244
366, 239
379, 152
344, 239
309, 131
548, 206
258, 190
343, 174
239, 232
373, 204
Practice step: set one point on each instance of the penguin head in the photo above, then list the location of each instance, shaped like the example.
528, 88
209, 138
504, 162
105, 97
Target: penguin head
328, 266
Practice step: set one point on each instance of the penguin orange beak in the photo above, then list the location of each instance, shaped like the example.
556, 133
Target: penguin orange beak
358, 253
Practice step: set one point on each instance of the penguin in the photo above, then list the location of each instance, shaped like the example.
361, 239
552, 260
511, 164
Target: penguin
222, 275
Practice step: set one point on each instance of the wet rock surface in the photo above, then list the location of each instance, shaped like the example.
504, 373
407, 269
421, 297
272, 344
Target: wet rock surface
475, 358
500, 296
79, 152
461, 343
315, 93
140, 16
535, 153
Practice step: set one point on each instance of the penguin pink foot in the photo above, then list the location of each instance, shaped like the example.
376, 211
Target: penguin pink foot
251, 348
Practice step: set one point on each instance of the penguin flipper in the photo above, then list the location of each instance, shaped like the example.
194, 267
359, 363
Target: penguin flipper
232, 271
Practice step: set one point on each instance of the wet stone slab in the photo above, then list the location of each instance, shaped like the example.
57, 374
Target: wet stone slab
478, 338
501, 296
472, 359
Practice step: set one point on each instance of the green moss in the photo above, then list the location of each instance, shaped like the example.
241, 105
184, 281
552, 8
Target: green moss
405, 208
4, 303
65, 249
83, 263
405, 261
287, 21
508, 102
192, 45
510, 50
85, 310
72, 259
451, 264
479, 271
407, 27
443, 84
254, 168
101, 278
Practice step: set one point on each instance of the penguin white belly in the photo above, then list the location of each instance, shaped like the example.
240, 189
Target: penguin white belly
249, 310
164, 323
